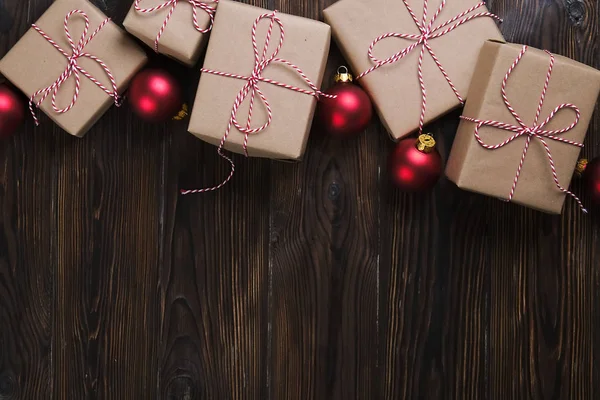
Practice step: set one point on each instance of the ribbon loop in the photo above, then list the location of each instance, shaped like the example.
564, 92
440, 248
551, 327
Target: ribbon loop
196, 4
423, 39
73, 68
535, 131
252, 92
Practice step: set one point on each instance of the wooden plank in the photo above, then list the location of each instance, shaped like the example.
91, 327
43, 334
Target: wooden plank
543, 268
324, 262
214, 278
109, 208
27, 262
27, 242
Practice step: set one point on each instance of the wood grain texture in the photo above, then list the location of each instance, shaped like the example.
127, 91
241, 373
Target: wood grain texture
214, 298
27, 243
314, 280
27, 261
108, 210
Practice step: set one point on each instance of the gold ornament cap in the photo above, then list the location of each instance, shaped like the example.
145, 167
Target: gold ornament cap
425, 143
580, 168
343, 75
181, 114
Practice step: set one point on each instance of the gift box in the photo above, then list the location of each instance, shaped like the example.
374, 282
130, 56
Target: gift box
178, 29
450, 39
82, 77
260, 99
523, 126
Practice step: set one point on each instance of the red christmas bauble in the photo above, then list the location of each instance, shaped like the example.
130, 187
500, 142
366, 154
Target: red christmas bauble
415, 167
591, 177
12, 111
349, 113
155, 95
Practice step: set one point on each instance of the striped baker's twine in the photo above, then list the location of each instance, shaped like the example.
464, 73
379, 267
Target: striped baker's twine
427, 33
196, 4
251, 89
73, 68
534, 131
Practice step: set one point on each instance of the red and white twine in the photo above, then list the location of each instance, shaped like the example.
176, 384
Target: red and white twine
427, 33
196, 4
73, 68
536, 130
252, 88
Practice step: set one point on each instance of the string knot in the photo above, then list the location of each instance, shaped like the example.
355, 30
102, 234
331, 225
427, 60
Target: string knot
536, 130
424, 37
532, 131
254, 78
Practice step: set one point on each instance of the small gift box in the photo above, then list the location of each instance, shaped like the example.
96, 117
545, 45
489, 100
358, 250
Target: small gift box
176, 28
415, 58
73, 64
523, 126
259, 87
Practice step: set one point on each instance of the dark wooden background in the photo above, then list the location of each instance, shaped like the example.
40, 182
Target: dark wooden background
297, 281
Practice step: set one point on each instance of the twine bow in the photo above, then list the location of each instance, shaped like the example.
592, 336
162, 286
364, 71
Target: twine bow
196, 4
251, 90
428, 32
73, 68
536, 130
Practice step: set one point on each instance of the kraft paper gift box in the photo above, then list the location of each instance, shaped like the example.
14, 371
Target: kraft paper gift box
395, 88
230, 50
493, 171
34, 64
181, 29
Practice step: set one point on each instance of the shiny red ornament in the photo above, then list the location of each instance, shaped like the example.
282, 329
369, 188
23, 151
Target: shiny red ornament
349, 113
155, 95
415, 166
591, 178
12, 111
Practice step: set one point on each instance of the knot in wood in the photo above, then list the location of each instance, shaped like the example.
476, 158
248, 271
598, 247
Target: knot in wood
7, 386
576, 11
334, 191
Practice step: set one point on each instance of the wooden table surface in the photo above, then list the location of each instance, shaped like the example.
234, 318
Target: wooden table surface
297, 281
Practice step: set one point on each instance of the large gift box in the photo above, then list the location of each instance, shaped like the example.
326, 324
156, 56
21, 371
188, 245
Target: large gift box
82, 77
447, 41
278, 83
523, 126
178, 29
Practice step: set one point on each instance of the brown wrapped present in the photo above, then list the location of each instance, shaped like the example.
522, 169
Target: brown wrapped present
452, 33
176, 28
281, 81
523, 126
75, 82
